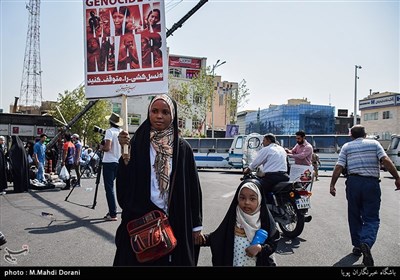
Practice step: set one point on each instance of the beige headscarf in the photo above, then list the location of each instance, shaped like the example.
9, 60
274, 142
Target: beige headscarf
162, 141
249, 222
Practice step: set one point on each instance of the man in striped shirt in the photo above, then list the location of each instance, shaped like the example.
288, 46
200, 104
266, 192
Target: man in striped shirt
361, 157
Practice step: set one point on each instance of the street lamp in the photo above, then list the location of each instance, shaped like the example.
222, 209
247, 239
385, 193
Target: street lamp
217, 64
355, 94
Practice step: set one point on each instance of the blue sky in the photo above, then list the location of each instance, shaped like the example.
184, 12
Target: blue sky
283, 49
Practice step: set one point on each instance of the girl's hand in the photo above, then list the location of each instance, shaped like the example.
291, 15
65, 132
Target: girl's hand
253, 250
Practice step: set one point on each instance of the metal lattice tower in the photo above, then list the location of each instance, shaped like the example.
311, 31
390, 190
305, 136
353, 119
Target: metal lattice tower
31, 84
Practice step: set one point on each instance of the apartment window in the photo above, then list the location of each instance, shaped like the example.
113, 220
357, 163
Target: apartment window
371, 116
175, 72
116, 108
387, 115
134, 119
197, 98
190, 74
196, 124
221, 100
386, 135
181, 123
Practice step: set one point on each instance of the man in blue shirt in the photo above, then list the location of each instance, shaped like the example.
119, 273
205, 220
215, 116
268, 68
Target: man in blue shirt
39, 157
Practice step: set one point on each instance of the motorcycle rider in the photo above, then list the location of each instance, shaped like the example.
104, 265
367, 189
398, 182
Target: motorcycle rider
272, 159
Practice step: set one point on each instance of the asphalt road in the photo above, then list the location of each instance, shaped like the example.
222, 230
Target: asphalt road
74, 234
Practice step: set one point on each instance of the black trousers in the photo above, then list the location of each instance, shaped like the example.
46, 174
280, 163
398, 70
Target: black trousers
271, 179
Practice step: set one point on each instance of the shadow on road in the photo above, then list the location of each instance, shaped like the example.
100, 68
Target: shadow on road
68, 219
57, 225
286, 245
348, 260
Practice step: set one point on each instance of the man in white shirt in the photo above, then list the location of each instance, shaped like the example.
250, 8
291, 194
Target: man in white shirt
273, 161
112, 153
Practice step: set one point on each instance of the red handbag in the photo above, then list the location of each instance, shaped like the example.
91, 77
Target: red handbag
151, 236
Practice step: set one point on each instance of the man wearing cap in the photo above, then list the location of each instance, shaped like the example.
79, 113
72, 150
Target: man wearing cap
77, 158
112, 153
39, 157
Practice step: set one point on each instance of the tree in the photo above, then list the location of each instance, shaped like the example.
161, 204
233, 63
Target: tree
193, 98
237, 99
71, 103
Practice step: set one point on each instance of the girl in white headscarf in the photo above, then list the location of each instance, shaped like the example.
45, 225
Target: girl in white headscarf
230, 243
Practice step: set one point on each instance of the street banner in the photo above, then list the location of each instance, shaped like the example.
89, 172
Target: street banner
303, 174
125, 48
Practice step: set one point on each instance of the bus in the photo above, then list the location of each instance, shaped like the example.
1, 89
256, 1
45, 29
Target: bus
211, 152
393, 151
244, 148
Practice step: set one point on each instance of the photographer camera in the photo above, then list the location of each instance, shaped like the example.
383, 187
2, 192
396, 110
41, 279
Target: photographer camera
112, 153
99, 130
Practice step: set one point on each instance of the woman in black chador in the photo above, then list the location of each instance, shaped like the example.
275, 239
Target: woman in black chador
161, 166
3, 168
19, 165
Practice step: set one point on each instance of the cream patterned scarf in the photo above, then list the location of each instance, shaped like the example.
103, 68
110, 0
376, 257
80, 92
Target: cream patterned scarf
162, 142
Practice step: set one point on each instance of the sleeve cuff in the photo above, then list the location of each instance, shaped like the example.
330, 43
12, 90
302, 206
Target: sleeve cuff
198, 228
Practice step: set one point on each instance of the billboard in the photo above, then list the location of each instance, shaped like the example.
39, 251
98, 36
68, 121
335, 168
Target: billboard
231, 130
378, 102
343, 112
184, 62
125, 48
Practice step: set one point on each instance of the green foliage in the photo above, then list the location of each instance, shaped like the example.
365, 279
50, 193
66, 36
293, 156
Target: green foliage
193, 97
70, 103
238, 98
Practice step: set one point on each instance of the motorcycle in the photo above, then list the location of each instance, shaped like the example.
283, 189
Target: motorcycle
288, 203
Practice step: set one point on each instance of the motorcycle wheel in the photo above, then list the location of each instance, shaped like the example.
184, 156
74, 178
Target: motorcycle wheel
296, 224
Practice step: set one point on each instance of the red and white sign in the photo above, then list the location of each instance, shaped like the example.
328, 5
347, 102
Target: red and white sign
184, 62
125, 48
50, 131
22, 130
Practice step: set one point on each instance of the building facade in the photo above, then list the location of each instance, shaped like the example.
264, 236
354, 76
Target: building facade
289, 118
380, 115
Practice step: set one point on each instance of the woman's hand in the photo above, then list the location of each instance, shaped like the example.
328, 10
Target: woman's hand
198, 237
123, 138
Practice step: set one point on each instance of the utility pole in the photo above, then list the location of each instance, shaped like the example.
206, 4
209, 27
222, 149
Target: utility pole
185, 17
31, 84
355, 94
